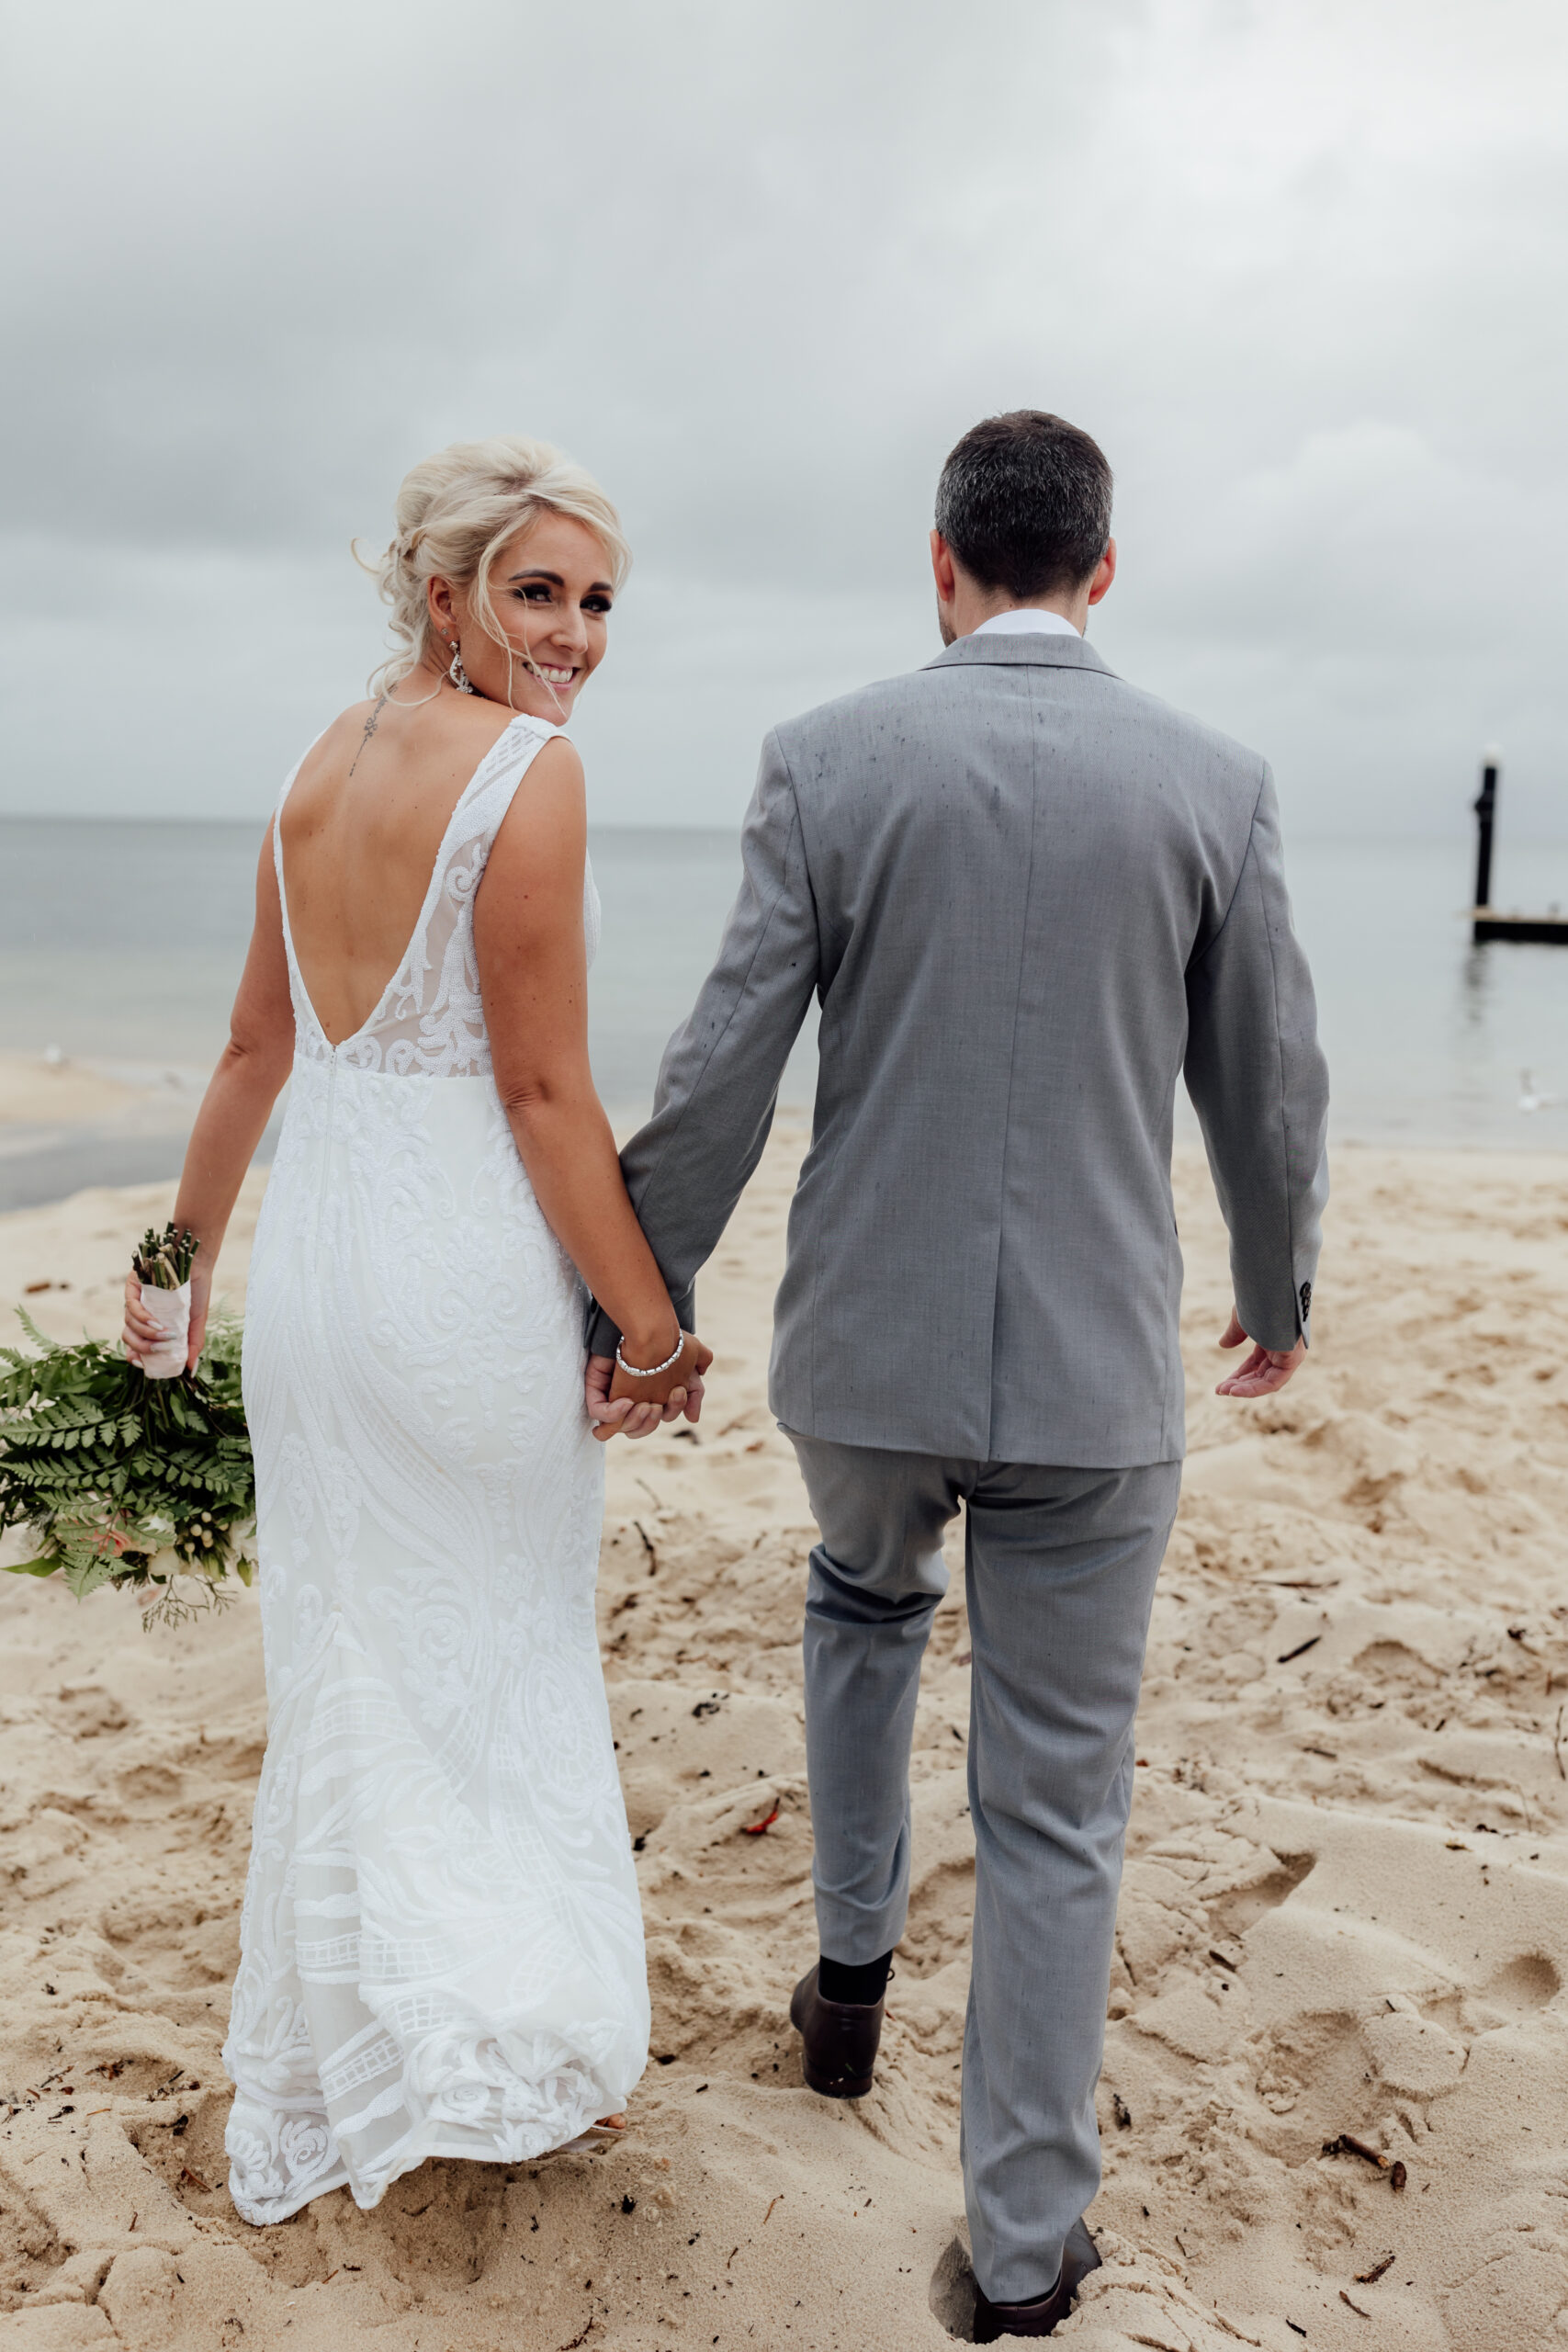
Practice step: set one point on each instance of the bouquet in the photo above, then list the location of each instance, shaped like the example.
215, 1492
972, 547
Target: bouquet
127, 1479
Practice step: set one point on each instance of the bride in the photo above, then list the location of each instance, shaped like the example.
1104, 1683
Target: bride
441, 1948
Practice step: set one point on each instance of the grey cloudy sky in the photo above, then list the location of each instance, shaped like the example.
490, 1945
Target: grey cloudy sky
1298, 265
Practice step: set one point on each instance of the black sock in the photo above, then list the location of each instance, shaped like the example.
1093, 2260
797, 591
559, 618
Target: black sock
863, 1983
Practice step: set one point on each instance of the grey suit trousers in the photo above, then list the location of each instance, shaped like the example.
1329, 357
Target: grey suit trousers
1060, 1567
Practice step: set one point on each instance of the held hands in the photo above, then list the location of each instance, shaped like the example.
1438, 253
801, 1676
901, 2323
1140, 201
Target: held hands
140, 1334
633, 1403
1265, 1369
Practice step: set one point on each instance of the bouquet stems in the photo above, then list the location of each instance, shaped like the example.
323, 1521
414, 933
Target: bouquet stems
165, 1259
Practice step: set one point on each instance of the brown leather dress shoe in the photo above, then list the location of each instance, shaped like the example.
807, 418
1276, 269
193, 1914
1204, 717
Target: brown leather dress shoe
993, 2320
839, 2039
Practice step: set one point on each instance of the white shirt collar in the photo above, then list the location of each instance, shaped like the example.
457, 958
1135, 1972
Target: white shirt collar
1026, 620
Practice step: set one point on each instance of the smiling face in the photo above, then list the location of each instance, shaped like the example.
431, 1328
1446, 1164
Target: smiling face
551, 593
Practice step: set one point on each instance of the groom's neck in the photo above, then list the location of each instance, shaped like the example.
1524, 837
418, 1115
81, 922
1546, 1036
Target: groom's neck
971, 605
964, 603
967, 613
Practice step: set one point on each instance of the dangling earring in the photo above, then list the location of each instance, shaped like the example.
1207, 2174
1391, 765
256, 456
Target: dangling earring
455, 671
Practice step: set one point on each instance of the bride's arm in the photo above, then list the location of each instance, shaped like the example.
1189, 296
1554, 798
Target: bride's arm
534, 980
234, 1111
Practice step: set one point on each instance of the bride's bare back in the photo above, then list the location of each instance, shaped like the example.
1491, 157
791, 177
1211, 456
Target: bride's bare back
360, 835
361, 829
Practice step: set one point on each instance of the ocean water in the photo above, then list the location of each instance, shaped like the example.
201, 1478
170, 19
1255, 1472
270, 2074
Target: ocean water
121, 943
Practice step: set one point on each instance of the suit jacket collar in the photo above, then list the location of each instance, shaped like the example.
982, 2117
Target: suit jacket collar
1053, 651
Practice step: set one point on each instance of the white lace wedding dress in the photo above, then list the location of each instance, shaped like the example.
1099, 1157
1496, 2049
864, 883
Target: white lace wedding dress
441, 1945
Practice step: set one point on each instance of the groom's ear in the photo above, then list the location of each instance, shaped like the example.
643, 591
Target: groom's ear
942, 571
1104, 573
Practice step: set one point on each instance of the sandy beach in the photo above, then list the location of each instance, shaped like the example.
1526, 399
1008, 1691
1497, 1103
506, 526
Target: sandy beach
1337, 2069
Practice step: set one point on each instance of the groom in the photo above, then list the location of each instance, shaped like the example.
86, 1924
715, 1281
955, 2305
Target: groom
1030, 899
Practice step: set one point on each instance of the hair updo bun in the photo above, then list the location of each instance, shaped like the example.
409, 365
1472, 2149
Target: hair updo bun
455, 513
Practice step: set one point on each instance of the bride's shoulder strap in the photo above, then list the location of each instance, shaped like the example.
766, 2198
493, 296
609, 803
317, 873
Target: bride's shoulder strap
529, 736
495, 787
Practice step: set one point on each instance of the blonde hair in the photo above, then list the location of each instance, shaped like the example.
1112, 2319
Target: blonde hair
456, 511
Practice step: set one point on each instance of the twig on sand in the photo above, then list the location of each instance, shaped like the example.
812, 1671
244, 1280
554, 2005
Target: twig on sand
1353, 2307
1557, 1748
1369, 2278
1347, 2144
1300, 1651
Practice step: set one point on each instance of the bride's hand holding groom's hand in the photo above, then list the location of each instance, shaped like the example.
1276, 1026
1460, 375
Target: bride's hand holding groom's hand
631, 1404
624, 1416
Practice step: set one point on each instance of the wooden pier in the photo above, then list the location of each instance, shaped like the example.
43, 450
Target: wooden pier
1487, 922
1547, 930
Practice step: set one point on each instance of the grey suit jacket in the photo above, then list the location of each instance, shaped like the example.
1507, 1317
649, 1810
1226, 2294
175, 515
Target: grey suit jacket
1028, 897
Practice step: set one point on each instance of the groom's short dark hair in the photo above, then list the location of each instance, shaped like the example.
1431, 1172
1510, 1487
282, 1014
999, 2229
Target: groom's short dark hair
1024, 502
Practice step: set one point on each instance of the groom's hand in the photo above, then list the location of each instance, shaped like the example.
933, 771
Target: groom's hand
623, 1416
628, 1417
1266, 1369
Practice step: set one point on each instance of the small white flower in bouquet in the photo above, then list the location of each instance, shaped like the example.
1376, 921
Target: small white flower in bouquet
128, 1478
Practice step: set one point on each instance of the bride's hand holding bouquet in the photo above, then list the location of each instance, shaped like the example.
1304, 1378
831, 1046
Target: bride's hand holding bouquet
167, 1294
134, 1469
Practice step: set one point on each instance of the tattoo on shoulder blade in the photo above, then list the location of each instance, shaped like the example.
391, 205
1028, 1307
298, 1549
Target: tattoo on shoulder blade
370, 726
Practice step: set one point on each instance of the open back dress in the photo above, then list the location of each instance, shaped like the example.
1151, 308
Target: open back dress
441, 1944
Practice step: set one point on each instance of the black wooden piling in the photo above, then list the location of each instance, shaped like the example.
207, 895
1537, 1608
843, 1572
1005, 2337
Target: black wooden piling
1485, 814
1550, 930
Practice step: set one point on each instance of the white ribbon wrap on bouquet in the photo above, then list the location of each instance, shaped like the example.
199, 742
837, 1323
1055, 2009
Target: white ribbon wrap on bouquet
170, 1310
